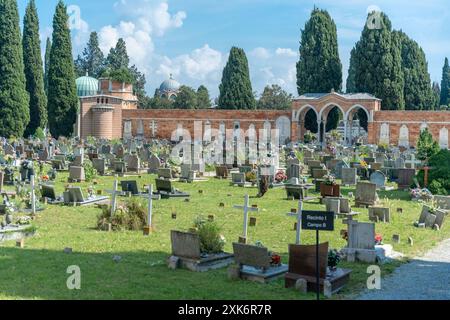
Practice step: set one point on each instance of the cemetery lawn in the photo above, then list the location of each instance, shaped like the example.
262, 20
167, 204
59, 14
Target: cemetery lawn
38, 271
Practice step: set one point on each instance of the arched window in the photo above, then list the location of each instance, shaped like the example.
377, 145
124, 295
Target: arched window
207, 133
423, 126
384, 133
443, 138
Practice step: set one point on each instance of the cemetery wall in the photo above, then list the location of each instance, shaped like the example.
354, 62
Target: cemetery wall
407, 125
168, 121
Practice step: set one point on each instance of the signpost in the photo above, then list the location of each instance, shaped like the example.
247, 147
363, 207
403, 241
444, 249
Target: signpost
319, 221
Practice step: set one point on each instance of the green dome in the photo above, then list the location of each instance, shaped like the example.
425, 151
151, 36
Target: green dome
87, 86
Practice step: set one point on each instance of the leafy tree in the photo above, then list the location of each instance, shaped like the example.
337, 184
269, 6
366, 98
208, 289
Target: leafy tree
417, 86
14, 99
186, 98
118, 57
445, 84
48, 48
274, 98
34, 73
203, 100
236, 88
426, 146
62, 92
439, 175
138, 81
319, 68
376, 64
92, 60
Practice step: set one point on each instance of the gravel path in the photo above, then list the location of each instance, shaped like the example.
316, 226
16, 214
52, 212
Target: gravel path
424, 278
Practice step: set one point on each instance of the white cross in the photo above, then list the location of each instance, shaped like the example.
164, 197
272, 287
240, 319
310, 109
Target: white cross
298, 214
154, 126
33, 196
150, 203
413, 161
246, 209
114, 193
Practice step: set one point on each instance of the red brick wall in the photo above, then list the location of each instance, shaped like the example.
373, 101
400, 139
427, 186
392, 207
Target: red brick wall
435, 120
168, 120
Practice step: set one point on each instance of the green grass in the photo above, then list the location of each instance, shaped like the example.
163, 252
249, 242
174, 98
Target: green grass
38, 271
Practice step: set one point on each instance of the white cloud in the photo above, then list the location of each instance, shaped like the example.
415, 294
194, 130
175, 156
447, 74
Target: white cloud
260, 53
285, 52
200, 64
141, 21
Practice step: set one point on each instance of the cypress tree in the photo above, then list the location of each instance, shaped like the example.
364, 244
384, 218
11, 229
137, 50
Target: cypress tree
319, 68
14, 99
48, 48
445, 84
417, 88
376, 64
62, 93
436, 95
351, 85
33, 70
118, 57
92, 60
236, 89
203, 100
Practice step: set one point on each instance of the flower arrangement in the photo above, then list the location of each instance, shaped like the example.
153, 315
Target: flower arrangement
45, 178
421, 194
250, 176
333, 258
280, 176
378, 239
275, 259
330, 180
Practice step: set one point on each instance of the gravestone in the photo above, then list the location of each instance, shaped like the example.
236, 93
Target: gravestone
293, 171
405, 178
366, 194
378, 178
76, 174
99, 165
339, 166
349, 176
238, 179
379, 214
165, 173
361, 242
133, 163
154, 163
319, 173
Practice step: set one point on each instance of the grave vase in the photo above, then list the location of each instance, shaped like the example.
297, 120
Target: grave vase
327, 190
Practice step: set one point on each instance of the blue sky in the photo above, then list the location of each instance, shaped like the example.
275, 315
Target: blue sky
191, 38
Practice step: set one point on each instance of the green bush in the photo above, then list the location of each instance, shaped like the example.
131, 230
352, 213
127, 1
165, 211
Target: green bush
90, 172
426, 146
211, 241
439, 175
39, 134
130, 216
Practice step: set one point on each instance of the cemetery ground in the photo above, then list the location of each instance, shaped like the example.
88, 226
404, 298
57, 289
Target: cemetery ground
38, 271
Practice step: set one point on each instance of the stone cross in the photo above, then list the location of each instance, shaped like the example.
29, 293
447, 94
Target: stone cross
298, 215
246, 208
413, 161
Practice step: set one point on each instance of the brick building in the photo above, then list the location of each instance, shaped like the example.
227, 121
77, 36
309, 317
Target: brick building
108, 109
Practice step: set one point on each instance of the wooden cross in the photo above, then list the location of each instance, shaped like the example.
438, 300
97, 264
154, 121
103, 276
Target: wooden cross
413, 161
246, 209
426, 169
298, 215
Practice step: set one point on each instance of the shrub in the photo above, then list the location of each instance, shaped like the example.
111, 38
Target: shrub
439, 175
130, 216
211, 241
436, 187
39, 134
90, 172
426, 146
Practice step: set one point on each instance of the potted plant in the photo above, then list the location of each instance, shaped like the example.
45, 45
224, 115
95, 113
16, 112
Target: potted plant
333, 259
329, 187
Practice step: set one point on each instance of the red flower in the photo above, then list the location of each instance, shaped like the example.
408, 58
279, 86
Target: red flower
276, 259
378, 238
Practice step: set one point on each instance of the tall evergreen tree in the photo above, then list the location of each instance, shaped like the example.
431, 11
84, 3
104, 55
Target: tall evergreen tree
118, 57
62, 93
203, 100
445, 84
319, 68
376, 64
236, 89
48, 48
351, 85
34, 72
14, 99
139, 82
92, 60
436, 95
417, 87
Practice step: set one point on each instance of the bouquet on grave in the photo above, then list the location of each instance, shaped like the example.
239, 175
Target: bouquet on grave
378, 239
421, 194
329, 179
280, 177
363, 164
333, 258
275, 259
